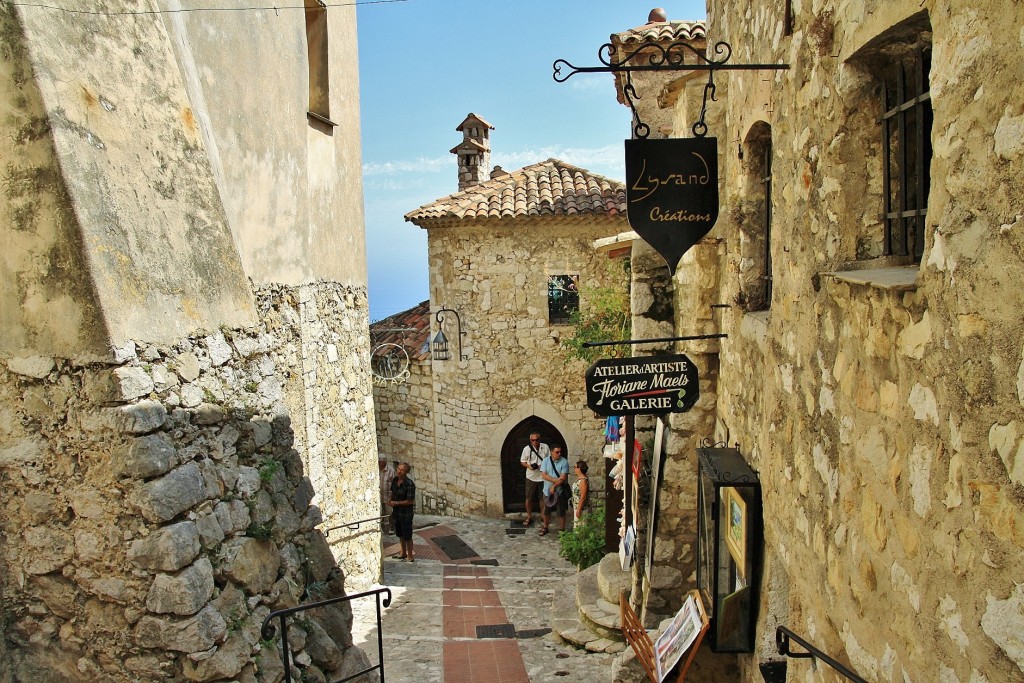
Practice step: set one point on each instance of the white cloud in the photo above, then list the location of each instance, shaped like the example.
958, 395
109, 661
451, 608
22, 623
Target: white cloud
607, 160
591, 83
420, 165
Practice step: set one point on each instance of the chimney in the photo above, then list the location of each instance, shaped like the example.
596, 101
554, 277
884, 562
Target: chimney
474, 152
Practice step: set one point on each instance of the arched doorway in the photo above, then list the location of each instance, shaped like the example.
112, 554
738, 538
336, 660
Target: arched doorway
513, 477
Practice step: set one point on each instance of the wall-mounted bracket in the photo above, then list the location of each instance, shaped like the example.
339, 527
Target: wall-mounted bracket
659, 57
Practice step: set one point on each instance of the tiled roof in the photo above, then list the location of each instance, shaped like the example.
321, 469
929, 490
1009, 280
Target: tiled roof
468, 144
549, 188
409, 329
663, 31
469, 119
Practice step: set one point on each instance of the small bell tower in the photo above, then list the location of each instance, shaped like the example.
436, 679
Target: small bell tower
474, 151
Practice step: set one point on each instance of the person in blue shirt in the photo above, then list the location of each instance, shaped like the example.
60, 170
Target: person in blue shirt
555, 470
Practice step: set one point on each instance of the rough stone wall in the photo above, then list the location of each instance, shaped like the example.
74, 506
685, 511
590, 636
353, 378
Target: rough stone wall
496, 278
405, 430
157, 508
886, 421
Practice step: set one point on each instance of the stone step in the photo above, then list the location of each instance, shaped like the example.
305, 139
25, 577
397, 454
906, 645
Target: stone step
611, 579
567, 625
596, 613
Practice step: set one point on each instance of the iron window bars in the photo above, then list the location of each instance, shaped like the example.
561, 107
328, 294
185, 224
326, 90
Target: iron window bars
907, 152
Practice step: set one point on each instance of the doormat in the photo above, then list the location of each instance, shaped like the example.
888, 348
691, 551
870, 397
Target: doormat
515, 532
496, 631
489, 563
454, 547
532, 633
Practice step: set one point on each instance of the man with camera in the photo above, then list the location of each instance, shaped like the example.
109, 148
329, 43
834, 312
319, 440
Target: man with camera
555, 472
533, 456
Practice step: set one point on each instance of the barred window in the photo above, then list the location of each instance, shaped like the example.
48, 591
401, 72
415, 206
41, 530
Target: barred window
563, 298
906, 140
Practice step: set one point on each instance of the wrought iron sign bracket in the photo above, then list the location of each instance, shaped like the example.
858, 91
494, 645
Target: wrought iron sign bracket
624, 342
660, 57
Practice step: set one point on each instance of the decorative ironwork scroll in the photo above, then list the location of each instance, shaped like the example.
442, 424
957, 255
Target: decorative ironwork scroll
653, 56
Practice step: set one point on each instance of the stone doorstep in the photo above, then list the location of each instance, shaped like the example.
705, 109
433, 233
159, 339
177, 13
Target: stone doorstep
611, 579
571, 629
596, 613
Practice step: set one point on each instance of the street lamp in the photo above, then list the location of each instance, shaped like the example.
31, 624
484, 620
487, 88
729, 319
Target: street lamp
440, 342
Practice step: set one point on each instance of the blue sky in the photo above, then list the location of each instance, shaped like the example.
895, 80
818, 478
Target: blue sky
425, 64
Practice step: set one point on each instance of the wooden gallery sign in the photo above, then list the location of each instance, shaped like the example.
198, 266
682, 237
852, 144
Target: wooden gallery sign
672, 192
642, 386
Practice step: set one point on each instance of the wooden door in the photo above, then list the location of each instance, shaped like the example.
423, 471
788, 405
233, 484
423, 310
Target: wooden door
513, 476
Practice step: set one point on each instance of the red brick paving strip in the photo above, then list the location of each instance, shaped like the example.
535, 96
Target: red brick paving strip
469, 601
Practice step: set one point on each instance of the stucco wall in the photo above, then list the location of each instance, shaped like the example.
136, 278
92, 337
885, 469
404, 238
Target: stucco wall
153, 235
47, 299
291, 186
885, 421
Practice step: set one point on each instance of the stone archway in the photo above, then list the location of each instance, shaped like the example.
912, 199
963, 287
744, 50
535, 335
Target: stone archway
513, 482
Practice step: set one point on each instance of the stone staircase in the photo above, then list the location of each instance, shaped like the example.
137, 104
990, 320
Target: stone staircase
585, 613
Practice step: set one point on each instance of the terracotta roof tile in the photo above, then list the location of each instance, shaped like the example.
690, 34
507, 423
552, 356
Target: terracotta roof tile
550, 187
663, 31
409, 329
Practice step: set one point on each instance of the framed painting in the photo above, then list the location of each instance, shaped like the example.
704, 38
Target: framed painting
736, 527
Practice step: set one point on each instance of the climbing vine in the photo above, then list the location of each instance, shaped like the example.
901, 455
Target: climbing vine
604, 316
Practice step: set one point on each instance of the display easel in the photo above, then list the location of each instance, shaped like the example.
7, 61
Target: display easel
638, 638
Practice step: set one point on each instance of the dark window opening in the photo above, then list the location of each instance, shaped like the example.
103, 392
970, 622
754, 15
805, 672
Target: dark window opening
755, 292
906, 139
316, 45
563, 298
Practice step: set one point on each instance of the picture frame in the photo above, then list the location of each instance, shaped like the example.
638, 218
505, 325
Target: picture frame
736, 527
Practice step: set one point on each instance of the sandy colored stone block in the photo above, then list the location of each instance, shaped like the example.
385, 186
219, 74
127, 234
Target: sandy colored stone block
873, 522
167, 549
36, 367
1003, 440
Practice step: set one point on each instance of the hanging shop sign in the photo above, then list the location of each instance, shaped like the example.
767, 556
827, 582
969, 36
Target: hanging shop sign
642, 386
672, 192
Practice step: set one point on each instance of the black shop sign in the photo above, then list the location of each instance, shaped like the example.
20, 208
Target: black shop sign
642, 386
672, 192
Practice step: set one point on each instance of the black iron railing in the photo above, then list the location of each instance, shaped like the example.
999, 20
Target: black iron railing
268, 630
353, 525
782, 637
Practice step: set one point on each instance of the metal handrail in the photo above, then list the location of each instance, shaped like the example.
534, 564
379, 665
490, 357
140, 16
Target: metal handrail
354, 525
267, 630
782, 637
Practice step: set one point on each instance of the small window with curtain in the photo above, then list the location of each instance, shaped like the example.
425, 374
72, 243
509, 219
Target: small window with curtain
563, 298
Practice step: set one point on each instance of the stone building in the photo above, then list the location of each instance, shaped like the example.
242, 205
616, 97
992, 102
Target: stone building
185, 405
869, 250
511, 257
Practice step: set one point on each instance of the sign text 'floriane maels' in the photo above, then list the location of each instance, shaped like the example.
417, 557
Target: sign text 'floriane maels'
642, 386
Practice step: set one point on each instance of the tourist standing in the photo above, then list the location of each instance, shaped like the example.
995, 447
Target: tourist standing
403, 499
580, 492
534, 455
555, 472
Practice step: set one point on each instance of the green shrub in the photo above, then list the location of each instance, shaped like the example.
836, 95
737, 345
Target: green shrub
584, 545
